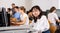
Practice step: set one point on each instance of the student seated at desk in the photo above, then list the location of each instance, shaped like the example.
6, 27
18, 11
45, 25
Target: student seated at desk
40, 22
16, 16
9, 10
13, 5
24, 20
24, 16
52, 17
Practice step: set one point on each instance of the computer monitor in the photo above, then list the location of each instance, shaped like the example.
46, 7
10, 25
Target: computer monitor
4, 18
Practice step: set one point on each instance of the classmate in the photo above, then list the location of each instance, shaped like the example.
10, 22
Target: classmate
9, 11
13, 5
24, 17
40, 22
16, 16
52, 17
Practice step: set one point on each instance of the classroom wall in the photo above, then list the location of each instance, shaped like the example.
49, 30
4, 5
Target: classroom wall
44, 4
7, 3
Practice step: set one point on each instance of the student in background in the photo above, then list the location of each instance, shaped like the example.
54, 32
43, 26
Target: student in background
16, 16
24, 17
52, 17
13, 5
9, 11
40, 22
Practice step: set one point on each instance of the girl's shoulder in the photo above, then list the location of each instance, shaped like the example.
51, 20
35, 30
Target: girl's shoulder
25, 15
43, 16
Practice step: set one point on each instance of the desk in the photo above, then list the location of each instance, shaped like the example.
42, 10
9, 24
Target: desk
14, 29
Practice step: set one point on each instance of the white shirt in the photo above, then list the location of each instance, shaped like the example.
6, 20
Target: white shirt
10, 12
41, 24
27, 19
53, 17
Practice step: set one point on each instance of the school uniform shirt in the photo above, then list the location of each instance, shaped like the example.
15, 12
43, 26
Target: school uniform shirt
10, 13
41, 24
53, 17
17, 15
27, 19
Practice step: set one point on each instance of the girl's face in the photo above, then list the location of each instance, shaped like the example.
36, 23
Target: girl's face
21, 11
54, 11
36, 12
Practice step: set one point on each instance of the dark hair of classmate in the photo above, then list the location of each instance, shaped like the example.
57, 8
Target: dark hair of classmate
16, 7
31, 17
9, 9
13, 4
29, 11
39, 16
52, 9
23, 8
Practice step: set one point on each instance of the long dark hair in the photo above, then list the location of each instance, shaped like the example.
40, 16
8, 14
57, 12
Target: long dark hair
52, 9
39, 16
